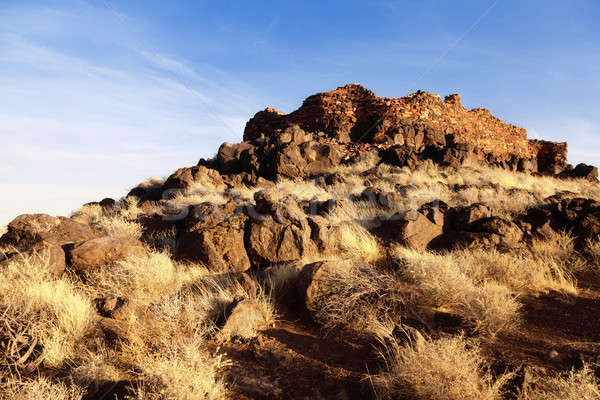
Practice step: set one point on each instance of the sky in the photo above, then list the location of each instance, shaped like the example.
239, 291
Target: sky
97, 95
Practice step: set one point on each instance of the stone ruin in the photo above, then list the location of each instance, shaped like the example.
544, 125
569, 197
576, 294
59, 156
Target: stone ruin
412, 128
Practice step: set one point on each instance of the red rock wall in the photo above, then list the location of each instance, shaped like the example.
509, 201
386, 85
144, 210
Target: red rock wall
354, 113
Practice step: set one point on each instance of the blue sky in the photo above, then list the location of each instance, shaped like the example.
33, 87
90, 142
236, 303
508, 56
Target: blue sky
97, 95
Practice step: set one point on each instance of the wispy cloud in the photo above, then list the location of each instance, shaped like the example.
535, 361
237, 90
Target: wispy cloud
80, 122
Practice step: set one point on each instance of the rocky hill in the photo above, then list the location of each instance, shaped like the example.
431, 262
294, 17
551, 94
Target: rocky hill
353, 248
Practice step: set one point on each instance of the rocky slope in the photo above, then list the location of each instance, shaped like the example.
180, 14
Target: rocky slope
361, 221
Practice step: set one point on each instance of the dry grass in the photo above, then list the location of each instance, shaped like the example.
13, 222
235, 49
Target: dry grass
442, 369
303, 190
120, 227
507, 192
520, 271
357, 297
175, 307
118, 222
442, 282
366, 161
142, 281
39, 388
183, 370
197, 194
592, 253
359, 242
580, 385
38, 309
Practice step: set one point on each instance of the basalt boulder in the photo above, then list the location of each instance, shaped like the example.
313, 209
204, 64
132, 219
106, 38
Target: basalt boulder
280, 231
315, 281
198, 176
214, 235
102, 252
306, 159
410, 228
33, 231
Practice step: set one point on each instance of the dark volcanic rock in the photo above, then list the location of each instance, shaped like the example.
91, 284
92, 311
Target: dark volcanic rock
104, 251
29, 231
214, 235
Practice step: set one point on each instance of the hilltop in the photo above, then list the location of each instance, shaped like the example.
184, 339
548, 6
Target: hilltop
354, 248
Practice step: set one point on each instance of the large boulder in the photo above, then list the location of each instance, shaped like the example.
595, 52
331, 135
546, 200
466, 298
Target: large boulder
307, 159
34, 231
279, 230
483, 233
588, 227
315, 281
326, 236
411, 228
416, 230
198, 176
214, 235
244, 319
401, 155
149, 190
271, 240
564, 212
97, 253
462, 217
585, 171
235, 158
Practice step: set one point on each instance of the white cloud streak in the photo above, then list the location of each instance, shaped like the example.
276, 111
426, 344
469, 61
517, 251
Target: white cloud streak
76, 125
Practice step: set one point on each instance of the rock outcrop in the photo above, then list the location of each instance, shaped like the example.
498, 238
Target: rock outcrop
421, 123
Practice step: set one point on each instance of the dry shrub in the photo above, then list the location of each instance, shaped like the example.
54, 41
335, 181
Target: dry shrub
183, 370
39, 388
359, 298
40, 310
89, 213
560, 245
95, 368
196, 194
183, 305
443, 369
559, 248
302, 190
489, 307
366, 161
143, 280
580, 385
592, 253
520, 271
359, 242
120, 227
367, 213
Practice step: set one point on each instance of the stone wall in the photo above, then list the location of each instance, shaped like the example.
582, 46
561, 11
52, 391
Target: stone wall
353, 113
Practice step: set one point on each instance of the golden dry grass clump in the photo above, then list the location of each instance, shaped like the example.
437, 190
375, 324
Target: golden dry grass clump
449, 368
43, 318
576, 385
170, 311
39, 388
443, 283
357, 297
